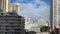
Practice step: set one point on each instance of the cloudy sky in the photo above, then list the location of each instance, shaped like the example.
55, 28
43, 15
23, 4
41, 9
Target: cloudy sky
35, 9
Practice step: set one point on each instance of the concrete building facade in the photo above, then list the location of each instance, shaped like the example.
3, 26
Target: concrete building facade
54, 14
11, 23
55, 10
30, 32
15, 7
7, 6
27, 22
4, 5
58, 9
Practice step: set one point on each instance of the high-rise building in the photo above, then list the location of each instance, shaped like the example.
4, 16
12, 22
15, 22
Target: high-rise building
4, 5
56, 16
51, 14
58, 9
11, 23
55, 13
55, 23
15, 7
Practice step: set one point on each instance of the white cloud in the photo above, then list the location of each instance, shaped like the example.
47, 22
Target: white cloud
35, 13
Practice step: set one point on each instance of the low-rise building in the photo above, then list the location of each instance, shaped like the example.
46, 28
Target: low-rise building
42, 22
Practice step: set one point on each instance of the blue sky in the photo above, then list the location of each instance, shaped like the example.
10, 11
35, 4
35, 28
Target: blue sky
35, 9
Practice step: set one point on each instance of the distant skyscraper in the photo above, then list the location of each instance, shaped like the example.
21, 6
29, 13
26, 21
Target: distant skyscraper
4, 5
15, 7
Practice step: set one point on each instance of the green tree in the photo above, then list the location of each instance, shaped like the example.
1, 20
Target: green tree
44, 28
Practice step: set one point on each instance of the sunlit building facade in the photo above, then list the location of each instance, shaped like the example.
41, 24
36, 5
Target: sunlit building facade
55, 9
15, 7
4, 5
58, 9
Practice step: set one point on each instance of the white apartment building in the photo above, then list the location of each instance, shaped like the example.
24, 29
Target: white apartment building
4, 5
56, 13
15, 7
42, 22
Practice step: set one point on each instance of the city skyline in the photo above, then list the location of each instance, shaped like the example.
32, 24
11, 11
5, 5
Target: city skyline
24, 16
35, 9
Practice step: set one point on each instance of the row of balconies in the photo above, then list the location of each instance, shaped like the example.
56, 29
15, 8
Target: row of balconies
12, 21
12, 18
9, 31
11, 24
8, 23
8, 15
16, 26
10, 27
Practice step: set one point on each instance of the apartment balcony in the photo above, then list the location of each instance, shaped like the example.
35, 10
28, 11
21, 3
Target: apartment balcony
11, 18
9, 21
9, 31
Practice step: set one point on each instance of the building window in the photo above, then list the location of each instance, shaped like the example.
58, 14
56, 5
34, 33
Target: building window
12, 26
5, 32
8, 32
7, 29
1, 13
0, 25
6, 20
11, 23
18, 20
6, 26
0, 17
17, 30
19, 17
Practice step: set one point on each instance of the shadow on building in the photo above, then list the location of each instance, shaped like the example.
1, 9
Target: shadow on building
11, 23
30, 32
